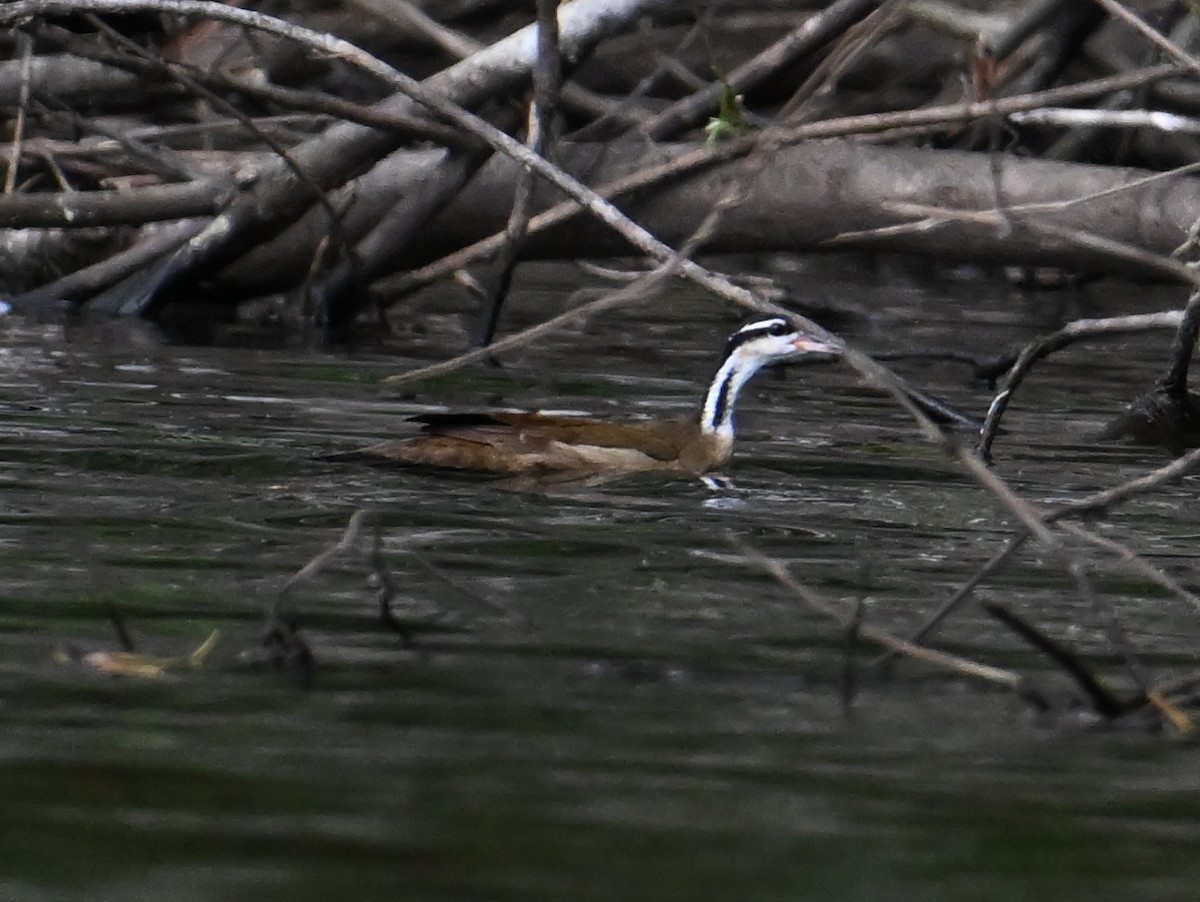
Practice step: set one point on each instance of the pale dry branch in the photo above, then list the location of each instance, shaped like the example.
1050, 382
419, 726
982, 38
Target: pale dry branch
1071, 117
1136, 563
1173, 50
1108, 498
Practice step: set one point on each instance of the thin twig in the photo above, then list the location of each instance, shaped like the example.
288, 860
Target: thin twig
1110, 497
547, 80
1133, 560
14, 158
994, 563
284, 641
1173, 50
806, 38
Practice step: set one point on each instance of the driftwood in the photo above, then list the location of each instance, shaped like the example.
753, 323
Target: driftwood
351, 198
342, 151
813, 196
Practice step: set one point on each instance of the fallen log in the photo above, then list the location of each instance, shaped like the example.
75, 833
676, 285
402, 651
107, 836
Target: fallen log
818, 195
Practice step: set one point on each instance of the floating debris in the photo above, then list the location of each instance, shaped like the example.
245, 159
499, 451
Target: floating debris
132, 664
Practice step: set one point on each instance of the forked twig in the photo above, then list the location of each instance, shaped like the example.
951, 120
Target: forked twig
1097, 501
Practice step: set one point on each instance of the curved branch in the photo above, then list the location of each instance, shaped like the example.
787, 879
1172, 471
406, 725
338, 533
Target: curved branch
1047, 344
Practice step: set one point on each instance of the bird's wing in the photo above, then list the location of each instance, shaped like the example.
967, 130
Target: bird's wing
529, 433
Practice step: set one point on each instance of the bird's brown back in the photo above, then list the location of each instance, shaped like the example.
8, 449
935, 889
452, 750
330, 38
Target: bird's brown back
505, 442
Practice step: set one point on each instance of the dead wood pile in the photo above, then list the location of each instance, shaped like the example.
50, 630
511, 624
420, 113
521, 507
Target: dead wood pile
333, 152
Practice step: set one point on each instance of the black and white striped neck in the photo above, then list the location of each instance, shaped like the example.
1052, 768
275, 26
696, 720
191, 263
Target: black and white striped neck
716, 417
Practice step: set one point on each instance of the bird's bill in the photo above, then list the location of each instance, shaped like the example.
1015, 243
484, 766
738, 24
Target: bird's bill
811, 344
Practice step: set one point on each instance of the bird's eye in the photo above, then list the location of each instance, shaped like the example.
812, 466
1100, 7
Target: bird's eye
779, 327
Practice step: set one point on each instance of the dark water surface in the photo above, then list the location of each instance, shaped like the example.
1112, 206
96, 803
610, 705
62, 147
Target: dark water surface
667, 725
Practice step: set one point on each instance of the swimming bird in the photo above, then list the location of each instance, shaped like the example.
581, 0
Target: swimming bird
513, 443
